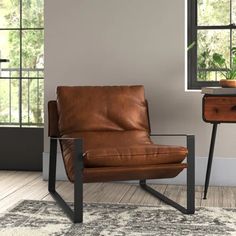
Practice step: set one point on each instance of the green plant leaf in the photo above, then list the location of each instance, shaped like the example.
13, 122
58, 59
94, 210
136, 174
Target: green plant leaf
233, 50
218, 59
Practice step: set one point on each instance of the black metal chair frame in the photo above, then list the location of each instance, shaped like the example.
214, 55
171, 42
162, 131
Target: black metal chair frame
76, 215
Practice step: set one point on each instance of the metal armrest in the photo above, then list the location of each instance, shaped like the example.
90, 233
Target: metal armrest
190, 139
170, 135
61, 138
78, 144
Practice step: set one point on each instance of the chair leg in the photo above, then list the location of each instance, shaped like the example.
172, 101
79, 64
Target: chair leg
52, 165
191, 175
78, 185
190, 183
76, 216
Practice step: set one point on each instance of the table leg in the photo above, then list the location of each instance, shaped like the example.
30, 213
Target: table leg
210, 157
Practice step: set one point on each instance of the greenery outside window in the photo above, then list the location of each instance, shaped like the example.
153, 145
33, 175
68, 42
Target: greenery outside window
22, 73
211, 24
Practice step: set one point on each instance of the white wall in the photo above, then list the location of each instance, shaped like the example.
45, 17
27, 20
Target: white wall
115, 42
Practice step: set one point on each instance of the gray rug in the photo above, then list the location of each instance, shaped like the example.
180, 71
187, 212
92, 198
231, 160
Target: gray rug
36, 218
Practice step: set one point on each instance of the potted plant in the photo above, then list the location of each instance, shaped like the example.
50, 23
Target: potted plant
229, 73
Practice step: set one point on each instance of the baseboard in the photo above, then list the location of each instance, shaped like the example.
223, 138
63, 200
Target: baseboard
223, 172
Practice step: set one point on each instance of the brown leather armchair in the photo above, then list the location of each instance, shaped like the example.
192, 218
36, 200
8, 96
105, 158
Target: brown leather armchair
104, 134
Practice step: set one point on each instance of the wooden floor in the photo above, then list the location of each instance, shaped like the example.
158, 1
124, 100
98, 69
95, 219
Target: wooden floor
16, 186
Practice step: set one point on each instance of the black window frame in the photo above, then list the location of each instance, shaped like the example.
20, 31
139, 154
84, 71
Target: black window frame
193, 28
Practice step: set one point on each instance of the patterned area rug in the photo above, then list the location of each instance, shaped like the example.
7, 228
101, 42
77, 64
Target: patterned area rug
36, 218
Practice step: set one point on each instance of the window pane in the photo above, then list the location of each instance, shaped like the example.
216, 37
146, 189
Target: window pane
210, 75
234, 38
210, 42
33, 50
10, 49
9, 101
9, 87
15, 83
32, 101
32, 13
233, 46
4, 101
9, 13
220, 75
214, 12
206, 75
32, 72
234, 11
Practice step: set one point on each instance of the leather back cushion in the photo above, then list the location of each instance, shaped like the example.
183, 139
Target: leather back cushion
101, 108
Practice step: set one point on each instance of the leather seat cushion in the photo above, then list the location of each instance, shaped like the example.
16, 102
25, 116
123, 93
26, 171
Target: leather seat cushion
119, 149
100, 140
134, 156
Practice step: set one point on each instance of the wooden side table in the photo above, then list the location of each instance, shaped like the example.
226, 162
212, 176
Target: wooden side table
217, 109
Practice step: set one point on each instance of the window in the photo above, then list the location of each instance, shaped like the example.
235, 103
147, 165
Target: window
211, 24
21, 63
